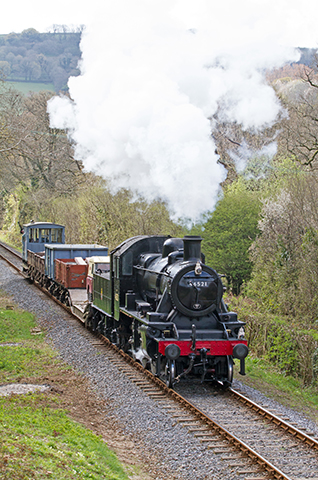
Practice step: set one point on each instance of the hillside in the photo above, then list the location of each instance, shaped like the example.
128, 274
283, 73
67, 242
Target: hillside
49, 58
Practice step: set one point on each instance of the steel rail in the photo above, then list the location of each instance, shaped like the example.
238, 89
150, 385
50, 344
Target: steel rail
10, 263
279, 422
9, 249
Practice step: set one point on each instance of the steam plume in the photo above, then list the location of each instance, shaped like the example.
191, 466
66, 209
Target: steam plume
153, 75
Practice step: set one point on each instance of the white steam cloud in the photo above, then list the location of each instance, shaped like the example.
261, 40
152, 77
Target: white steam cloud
261, 158
153, 75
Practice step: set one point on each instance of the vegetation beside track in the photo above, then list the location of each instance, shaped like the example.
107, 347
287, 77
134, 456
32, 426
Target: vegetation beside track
286, 389
5, 237
39, 439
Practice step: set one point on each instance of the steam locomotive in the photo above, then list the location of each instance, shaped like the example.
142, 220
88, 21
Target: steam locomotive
154, 298
161, 303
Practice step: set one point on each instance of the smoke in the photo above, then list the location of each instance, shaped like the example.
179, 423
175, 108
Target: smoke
153, 75
253, 163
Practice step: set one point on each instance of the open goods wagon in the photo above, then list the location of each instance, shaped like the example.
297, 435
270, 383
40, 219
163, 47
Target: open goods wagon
71, 273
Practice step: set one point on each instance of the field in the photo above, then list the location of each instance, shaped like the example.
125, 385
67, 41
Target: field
27, 87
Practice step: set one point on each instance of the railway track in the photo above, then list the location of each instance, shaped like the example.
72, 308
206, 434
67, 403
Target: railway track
227, 423
11, 256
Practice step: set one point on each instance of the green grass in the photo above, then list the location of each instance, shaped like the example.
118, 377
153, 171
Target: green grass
17, 362
43, 443
33, 354
288, 390
27, 87
16, 325
38, 438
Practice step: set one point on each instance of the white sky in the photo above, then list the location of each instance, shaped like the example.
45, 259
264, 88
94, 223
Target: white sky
293, 21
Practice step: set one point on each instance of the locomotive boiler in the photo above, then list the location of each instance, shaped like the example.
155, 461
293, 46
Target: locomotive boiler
161, 303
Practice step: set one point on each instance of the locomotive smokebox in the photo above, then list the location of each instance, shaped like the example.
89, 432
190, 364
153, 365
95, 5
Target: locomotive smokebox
192, 248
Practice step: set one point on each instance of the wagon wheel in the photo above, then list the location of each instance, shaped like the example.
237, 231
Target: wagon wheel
68, 301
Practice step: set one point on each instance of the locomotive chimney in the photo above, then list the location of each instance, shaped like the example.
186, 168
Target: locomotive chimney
192, 248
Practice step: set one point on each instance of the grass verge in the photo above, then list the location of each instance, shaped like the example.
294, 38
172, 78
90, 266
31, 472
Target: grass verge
39, 439
287, 390
39, 442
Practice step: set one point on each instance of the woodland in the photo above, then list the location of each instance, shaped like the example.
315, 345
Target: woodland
262, 236
50, 57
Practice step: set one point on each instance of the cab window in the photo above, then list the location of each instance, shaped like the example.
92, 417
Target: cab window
56, 235
44, 235
34, 235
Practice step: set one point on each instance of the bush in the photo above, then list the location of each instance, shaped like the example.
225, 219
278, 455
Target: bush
279, 339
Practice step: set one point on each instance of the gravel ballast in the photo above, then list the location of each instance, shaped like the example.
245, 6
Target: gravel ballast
179, 454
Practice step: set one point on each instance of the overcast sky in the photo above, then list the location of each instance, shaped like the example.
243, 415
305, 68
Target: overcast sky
294, 22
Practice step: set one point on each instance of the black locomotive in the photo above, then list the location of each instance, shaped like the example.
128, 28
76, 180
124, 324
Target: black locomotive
161, 303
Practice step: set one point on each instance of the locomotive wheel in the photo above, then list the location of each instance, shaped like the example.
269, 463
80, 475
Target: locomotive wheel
228, 382
170, 373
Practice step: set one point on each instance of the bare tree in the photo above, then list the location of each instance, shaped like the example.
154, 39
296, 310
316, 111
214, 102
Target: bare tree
34, 158
42, 157
299, 135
